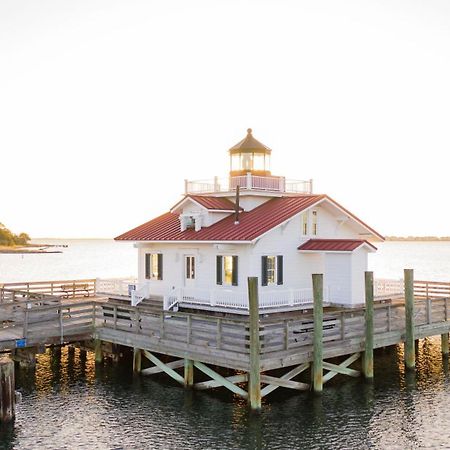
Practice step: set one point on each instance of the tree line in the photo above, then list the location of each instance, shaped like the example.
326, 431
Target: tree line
9, 239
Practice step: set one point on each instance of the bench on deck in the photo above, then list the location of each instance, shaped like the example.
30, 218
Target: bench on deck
74, 288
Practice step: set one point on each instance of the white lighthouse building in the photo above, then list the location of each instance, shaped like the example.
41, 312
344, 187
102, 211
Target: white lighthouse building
200, 253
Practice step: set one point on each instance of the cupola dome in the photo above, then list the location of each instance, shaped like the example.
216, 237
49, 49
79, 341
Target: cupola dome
249, 156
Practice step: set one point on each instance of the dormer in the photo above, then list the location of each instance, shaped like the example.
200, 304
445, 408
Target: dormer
197, 211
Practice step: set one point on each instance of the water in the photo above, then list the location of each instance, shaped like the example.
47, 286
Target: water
69, 403
83, 258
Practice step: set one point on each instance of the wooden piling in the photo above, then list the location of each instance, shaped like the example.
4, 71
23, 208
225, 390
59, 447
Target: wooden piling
444, 344
254, 379
137, 360
7, 392
368, 344
98, 351
410, 355
188, 373
317, 367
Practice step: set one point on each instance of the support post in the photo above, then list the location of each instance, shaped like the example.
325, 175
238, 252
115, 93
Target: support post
317, 367
254, 379
137, 360
188, 373
368, 345
444, 344
98, 351
410, 355
7, 392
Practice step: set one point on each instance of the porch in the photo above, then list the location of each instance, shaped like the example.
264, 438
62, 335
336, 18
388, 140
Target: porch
270, 300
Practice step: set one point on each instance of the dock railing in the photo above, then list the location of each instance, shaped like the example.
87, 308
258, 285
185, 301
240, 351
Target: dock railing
55, 288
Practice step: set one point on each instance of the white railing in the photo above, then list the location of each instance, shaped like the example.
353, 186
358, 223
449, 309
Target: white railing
115, 286
141, 292
227, 298
249, 182
388, 289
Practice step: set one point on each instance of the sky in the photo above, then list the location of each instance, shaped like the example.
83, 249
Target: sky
107, 106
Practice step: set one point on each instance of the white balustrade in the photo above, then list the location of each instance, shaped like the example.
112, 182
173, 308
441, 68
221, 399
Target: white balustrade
248, 182
238, 300
141, 292
114, 286
386, 288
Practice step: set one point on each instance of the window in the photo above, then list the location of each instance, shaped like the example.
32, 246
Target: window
190, 267
314, 223
227, 270
153, 266
271, 270
305, 224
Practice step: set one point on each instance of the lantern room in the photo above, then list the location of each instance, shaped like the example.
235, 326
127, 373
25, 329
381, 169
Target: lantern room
249, 156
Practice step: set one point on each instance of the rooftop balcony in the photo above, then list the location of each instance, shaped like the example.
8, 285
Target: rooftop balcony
249, 182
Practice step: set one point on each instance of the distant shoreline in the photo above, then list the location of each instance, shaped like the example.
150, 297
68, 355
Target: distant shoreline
29, 248
418, 238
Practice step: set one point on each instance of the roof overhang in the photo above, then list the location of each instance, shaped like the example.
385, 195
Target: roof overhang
335, 246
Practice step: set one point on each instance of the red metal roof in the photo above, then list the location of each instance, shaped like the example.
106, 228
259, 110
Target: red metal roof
252, 224
333, 245
220, 203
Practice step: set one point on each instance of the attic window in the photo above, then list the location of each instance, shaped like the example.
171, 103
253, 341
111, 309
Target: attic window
314, 223
190, 223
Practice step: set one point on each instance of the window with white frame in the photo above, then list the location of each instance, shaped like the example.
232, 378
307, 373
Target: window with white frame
227, 270
153, 266
314, 223
304, 219
190, 267
271, 270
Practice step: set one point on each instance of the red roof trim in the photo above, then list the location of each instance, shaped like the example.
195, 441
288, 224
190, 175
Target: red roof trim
334, 245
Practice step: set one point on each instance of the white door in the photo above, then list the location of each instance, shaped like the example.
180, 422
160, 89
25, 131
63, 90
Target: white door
338, 277
189, 271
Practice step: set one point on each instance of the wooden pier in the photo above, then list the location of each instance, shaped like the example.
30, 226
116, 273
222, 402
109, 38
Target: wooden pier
37, 314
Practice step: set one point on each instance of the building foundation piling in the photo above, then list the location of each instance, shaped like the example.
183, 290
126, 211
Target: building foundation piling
7, 392
368, 315
410, 354
317, 365
254, 377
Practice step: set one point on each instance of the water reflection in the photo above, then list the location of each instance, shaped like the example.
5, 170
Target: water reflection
69, 403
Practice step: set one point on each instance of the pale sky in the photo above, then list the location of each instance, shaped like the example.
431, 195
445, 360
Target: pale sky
106, 106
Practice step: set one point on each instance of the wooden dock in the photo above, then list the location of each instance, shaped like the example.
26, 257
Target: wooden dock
252, 345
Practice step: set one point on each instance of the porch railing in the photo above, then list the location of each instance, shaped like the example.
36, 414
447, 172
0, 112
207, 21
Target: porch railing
238, 300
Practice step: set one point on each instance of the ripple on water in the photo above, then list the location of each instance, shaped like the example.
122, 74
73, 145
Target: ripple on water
70, 404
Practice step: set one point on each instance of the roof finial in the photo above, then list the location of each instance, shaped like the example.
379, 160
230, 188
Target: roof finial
249, 130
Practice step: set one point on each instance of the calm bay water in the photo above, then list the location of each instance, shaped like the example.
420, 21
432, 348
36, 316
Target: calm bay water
69, 403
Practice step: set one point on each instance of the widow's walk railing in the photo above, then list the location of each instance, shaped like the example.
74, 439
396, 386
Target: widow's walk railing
248, 182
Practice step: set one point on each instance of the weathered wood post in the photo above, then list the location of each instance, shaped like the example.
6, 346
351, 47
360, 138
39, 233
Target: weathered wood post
368, 345
254, 381
188, 373
410, 355
7, 392
317, 378
98, 351
444, 344
137, 360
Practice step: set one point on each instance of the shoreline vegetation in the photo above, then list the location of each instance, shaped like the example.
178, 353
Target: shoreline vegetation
19, 243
